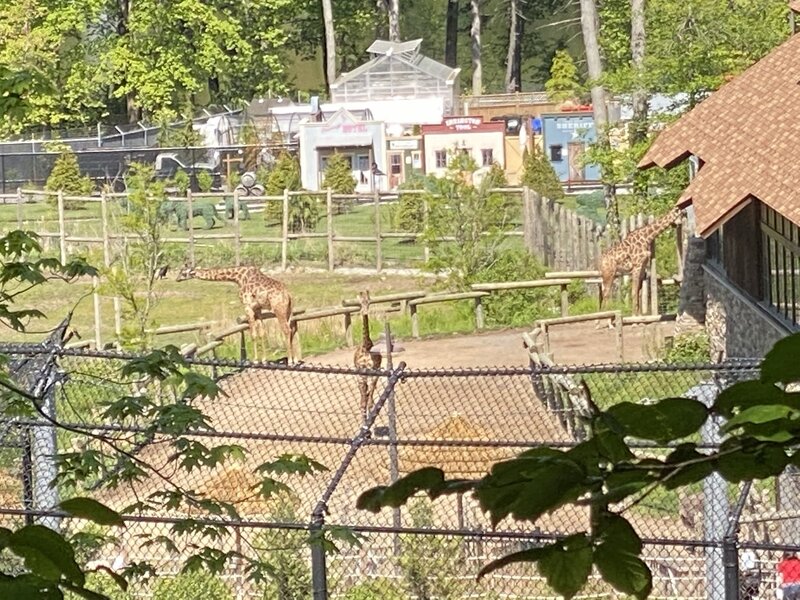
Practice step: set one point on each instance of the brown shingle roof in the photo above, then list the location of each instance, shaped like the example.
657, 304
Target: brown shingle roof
747, 134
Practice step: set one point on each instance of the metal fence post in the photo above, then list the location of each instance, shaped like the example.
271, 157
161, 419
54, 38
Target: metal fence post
319, 566
730, 551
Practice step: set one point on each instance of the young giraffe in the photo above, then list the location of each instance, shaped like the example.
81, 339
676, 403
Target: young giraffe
364, 359
631, 255
257, 292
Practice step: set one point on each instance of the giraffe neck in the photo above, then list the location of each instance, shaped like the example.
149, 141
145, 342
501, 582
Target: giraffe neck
653, 230
230, 274
366, 341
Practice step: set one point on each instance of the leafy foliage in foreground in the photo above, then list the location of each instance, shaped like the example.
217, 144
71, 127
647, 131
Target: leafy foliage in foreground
608, 472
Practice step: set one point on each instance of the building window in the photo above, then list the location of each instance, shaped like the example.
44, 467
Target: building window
556, 153
363, 162
396, 164
780, 255
441, 159
714, 247
487, 159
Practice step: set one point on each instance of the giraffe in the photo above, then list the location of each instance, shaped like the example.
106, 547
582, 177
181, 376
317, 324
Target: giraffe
631, 255
257, 292
364, 359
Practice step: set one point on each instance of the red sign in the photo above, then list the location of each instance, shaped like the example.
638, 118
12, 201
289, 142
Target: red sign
463, 123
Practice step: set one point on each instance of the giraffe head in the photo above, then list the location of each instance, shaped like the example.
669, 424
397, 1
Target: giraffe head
187, 272
363, 299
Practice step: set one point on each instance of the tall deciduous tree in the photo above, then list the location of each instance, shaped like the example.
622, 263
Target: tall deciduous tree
640, 95
451, 34
330, 43
563, 83
514, 56
590, 26
475, 35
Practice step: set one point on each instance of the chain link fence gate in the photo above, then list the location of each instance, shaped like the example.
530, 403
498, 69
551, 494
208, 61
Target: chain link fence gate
708, 542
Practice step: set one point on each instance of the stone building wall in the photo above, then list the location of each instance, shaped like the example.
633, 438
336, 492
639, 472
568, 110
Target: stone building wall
737, 327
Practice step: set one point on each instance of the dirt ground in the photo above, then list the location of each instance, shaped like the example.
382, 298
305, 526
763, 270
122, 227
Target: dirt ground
571, 344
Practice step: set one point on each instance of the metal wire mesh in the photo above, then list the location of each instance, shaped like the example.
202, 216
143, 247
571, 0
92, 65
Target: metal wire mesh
459, 420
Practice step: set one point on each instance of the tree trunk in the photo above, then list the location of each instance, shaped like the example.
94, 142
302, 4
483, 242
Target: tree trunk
640, 96
394, 20
590, 26
511, 83
451, 35
475, 34
330, 45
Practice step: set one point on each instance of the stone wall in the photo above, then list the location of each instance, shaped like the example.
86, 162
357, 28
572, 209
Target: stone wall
737, 327
692, 300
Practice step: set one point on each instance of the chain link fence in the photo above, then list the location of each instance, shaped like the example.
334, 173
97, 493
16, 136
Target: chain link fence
703, 542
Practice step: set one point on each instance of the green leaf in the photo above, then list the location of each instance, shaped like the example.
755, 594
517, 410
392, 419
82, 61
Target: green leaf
763, 413
758, 462
780, 365
84, 592
528, 488
87, 508
624, 570
28, 587
619, 533
568, 565
292, 464
401, 490
46, 553
665, 421
746, 394
690, 466
530, 555
5, 537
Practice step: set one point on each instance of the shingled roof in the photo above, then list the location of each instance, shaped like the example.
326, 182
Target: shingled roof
747, 135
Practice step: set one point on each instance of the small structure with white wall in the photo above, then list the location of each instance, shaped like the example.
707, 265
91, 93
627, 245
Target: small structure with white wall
362, 142
484, 142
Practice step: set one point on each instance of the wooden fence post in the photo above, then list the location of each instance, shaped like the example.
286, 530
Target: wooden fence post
653, 281
19, 208
412, 309
527, 219
237, 240
190, 223
564, 300
426, 250
62, 234
285, 230
348, 328
106, 240
479, 313
378, 249
329, 212
97, 317
618, 331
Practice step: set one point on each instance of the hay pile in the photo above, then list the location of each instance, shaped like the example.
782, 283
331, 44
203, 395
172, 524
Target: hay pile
455, 461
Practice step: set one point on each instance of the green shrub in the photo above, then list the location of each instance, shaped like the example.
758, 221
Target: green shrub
376, 589
192, 586
66, 177
339, 175
538, 174
432, 565
304, 211
285, 554
516, 307
182, 182
205, 181
102, 583
689, 348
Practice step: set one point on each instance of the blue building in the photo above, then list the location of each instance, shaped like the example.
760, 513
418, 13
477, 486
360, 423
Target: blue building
565, 138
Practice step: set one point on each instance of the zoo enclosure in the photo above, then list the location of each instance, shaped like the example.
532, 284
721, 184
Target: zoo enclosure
461, 420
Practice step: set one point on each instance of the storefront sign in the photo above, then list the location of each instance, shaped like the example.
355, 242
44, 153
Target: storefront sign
403, 144
463, 123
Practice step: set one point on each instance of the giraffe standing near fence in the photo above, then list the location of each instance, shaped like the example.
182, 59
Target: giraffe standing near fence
257, 292
364, 359
631, 255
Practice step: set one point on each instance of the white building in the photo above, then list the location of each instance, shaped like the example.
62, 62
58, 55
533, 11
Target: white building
361, 142
484, 142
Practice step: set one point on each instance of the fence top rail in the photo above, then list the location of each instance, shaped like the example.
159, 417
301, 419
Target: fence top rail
572, 274
729, 365
514, 285
608, 314
447, 297
386, 298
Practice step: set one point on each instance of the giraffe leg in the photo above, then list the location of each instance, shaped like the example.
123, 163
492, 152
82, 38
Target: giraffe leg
373, 381
363, 388
253, 322
606, 287
636, 288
